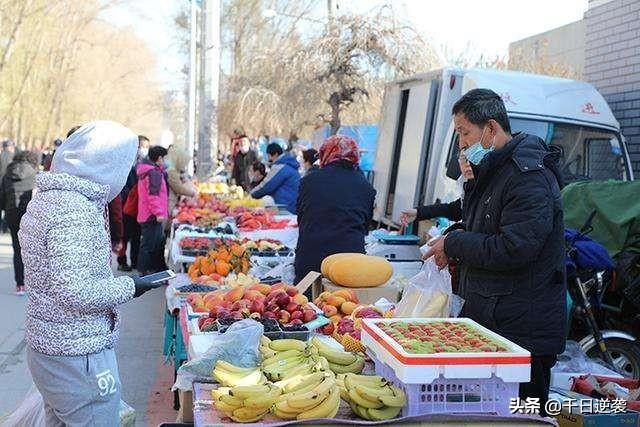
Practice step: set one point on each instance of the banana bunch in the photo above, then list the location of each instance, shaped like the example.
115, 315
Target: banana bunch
371, 397
287, 358
315, 395
340, 361
231, 376
246, 404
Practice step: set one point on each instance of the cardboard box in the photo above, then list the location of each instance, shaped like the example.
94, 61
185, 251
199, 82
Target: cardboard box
365, 295
574, 417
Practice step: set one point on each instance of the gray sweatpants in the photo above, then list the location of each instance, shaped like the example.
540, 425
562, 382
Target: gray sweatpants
78, 390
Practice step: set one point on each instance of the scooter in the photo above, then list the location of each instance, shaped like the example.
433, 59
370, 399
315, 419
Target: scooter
588, 263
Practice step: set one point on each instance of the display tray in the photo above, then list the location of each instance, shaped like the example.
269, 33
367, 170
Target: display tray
206, 415
512, 365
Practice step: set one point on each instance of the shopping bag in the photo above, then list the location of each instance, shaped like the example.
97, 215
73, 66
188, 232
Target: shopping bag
238, 345
428, 293
30, 413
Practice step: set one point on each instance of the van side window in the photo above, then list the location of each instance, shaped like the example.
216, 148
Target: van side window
452, 166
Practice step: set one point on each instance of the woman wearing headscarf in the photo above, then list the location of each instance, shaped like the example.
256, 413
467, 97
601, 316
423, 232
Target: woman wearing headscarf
72, 319
335, 206
177, 176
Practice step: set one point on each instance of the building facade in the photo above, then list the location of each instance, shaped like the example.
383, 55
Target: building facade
612, 63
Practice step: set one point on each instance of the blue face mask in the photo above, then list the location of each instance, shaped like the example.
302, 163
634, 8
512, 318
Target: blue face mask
476, 152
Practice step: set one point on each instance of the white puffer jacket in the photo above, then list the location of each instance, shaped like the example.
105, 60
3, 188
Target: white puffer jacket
66, 250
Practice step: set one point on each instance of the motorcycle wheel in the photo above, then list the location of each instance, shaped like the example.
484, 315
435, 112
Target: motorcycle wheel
625, 355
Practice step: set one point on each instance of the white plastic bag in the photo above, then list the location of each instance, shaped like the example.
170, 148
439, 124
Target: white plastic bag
238, 345
30, 413
428, 293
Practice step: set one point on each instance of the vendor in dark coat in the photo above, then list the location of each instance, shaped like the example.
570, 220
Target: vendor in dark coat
511, 256
335, 206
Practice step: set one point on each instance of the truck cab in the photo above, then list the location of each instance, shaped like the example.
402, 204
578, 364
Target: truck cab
417, 141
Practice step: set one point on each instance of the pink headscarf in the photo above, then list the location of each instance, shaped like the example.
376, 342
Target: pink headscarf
339, 147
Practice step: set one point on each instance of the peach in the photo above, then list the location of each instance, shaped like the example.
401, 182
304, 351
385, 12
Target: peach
212, 303
343, 293
292, 291
329, 310
279, 286
264, 289
234, 294
323, 296
252, 294
300, 299
347, 307
200, 309
335, 318
335, 301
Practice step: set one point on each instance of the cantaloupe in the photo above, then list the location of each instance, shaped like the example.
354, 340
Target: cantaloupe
325, 267
360, 271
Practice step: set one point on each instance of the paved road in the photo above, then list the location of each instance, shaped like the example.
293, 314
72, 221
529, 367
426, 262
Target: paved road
146, 381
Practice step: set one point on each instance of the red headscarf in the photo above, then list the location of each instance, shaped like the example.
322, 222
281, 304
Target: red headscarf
339, 147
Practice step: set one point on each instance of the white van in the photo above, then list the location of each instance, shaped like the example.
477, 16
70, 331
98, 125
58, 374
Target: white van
417, 139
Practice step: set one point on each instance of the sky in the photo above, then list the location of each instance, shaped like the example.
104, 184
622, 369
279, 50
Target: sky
484, 26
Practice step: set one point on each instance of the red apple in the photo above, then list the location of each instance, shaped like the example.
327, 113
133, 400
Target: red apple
296, 322
284, 316
328, 329
257, 307
297, 314
292, 291
283, 300
272, 306
329, 310
308, 315
270, 315
292, 306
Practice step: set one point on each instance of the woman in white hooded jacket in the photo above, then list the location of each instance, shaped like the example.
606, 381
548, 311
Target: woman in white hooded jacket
72, 310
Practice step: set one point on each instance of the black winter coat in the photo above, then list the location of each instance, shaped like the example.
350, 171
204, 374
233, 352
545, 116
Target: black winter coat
16, 189
511, 258
452, 210
335, 207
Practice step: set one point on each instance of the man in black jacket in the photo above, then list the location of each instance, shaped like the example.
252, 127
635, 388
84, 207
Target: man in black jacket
511, 255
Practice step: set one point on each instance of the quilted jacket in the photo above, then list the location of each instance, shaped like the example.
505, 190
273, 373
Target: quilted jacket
66, 249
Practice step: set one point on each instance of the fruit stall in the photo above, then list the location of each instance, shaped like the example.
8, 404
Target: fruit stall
252, 348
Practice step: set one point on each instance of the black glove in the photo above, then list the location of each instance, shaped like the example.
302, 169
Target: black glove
143, 286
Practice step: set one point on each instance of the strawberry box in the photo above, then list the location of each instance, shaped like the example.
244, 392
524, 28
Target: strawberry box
419, 350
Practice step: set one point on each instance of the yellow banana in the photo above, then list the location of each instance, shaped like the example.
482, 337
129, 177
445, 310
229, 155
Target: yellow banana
234, 379
359, 411
373, 394
226, 366
247, 415
327, 409
355, 367
266, 352
360, 401
245, 392
283, 355
284, 415
287, 344
303, 369
333, 355
303, 381
224, 407
263, 401
231, 400
219, 392
318, 394
366, 380
385, 413
397, 400
264, 340
344, 394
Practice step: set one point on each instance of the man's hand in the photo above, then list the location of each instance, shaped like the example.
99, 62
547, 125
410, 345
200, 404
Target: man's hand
408, 215
436, 250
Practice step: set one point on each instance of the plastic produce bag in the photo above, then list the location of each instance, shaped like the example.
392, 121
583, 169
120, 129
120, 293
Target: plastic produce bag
428, 293
30, 413
575, 360
127, 415
238, 345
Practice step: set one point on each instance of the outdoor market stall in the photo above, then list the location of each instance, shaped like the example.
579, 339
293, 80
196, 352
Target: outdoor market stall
370, 347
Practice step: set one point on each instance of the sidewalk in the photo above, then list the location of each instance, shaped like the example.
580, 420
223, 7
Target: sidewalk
145, 380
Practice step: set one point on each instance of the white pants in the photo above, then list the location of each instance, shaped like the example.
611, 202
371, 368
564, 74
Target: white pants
78, 390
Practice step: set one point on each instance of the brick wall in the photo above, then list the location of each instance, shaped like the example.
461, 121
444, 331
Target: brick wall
612, 64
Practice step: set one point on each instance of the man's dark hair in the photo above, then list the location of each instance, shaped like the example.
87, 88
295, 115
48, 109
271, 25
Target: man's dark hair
481, 105
142, 138
72, 131
259, 167
28, 156
274, 149
156, 152
310, 155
